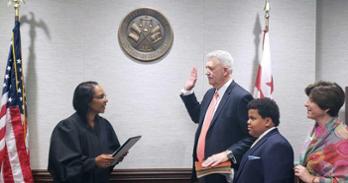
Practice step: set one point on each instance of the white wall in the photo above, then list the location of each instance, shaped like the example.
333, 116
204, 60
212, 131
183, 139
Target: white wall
65, 42
332, 42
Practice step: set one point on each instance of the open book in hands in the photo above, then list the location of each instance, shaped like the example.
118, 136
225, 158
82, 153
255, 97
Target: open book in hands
222, 168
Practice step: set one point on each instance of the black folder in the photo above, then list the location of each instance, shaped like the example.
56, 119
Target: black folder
122, 150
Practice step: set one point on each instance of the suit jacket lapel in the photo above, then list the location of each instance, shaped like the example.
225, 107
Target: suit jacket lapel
223, 101
263, 140
242, 163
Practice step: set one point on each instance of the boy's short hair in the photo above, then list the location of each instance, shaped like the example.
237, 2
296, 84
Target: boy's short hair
266, 107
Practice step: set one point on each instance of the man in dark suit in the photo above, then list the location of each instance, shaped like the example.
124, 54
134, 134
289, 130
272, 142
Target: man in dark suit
270, 158
221, 116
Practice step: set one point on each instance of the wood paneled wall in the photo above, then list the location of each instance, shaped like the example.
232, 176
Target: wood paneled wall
172, 175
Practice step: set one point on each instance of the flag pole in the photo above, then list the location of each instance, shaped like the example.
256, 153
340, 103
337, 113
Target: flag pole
16, 4
264, 78
267, 15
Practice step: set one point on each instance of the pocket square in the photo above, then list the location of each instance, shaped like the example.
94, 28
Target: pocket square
251, 157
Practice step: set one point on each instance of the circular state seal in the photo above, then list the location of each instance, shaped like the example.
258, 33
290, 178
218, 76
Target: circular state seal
145, 35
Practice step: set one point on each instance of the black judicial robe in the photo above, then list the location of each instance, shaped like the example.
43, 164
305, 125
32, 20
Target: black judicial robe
74, 146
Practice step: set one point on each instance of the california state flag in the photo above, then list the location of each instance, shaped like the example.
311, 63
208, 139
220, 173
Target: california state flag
264, 78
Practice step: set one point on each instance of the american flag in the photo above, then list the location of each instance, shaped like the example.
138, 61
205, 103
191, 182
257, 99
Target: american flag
14, 152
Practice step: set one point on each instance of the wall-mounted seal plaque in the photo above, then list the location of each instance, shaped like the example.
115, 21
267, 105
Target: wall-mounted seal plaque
145, 34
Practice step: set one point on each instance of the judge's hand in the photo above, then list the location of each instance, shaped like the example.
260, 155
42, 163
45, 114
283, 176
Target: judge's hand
104, 160
215, 159
191, 81
302, 173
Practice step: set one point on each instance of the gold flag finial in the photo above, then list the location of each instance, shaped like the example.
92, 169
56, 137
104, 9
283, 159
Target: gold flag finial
16, 4
267, 9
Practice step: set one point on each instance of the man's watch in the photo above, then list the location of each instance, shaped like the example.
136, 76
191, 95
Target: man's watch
230, 156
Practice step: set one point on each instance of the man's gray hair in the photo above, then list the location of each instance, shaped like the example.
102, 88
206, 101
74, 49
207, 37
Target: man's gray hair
224, 57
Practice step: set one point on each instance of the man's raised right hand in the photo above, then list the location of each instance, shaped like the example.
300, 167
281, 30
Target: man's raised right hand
191, 81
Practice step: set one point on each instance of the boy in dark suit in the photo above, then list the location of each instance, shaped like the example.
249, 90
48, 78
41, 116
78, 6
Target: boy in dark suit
270, 158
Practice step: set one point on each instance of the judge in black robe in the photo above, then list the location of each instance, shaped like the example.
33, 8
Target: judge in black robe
81, 145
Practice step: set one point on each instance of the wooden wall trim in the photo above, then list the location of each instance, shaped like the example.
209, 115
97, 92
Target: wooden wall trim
148, 175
